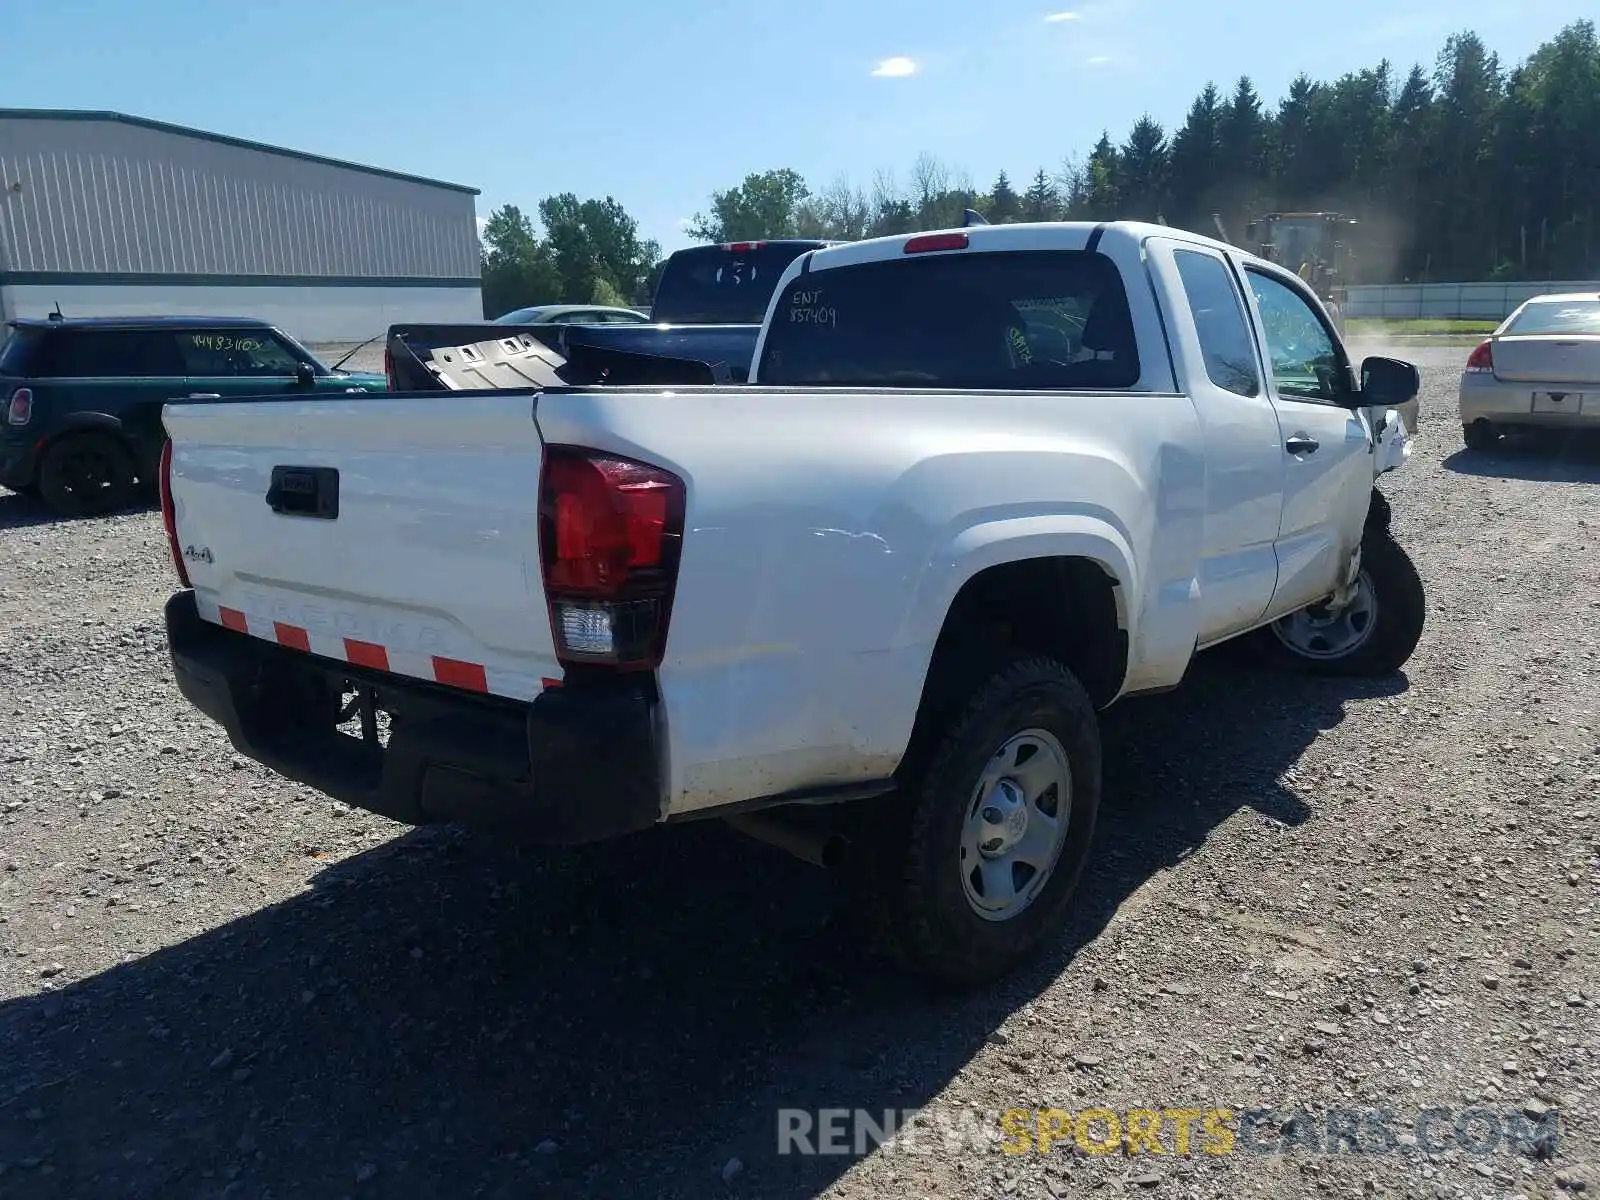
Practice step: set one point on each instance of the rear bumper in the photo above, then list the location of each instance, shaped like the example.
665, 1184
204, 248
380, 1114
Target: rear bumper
581, 763
19, 462
1516, 403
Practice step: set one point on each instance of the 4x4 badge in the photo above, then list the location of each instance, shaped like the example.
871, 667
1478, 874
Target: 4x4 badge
201, 555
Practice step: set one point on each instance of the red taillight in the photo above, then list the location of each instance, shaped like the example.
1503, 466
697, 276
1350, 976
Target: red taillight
742, 247
610, 530
169, 516
388, 367
20, 410
935, 241
1481, 360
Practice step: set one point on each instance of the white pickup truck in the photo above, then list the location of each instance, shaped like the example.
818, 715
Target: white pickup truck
981, 484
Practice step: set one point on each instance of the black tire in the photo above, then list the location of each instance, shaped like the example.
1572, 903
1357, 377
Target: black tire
1401, 609
1480, 435
910, 898
87, 474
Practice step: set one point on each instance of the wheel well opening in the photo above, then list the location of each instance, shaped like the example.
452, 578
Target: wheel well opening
109, 431
1061, 608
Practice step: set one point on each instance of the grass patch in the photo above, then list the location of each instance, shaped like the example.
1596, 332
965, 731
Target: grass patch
1420, 326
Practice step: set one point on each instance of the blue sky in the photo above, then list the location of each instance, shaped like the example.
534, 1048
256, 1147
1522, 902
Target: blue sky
658, 102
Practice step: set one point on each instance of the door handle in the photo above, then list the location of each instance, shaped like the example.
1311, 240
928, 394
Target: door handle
205, 395
1301, 444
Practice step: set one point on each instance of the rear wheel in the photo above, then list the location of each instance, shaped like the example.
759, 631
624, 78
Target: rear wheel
1480, 435
970, 869
1374, 634
87, 474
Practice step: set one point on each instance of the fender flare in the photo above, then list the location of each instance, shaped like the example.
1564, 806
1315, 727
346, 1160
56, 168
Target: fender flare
978, 547
89, 422
77, 423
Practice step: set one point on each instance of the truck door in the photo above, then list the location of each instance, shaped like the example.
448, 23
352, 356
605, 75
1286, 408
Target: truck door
1326, 442
1221, 371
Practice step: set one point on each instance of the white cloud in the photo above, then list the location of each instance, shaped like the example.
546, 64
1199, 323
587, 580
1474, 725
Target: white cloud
895, 68
1098, 60
1063, 16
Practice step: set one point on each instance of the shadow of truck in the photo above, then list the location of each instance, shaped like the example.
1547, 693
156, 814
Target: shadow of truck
441, 1016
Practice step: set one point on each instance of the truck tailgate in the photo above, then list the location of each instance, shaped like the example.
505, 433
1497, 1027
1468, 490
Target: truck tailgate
402, 535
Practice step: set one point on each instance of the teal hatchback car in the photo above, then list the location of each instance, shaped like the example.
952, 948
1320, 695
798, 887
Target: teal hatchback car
81, 398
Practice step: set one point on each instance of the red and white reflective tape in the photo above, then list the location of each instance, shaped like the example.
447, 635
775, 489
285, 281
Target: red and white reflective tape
434, 668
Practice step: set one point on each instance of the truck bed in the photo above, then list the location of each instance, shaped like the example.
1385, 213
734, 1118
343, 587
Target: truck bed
473, 357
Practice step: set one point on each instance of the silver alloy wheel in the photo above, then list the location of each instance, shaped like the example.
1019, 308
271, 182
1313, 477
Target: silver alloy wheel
1016, 825
1328, 634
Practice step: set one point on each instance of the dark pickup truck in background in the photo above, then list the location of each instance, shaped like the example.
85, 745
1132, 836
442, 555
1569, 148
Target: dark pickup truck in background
705, 320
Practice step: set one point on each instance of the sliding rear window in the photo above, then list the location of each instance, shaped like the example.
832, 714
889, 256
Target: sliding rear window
1034, 320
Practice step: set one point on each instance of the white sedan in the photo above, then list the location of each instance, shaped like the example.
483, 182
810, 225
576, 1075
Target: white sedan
1540, 368
573, 314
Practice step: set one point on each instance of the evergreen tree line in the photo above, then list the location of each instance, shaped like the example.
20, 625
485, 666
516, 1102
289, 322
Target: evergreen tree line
1471, 171
590, 252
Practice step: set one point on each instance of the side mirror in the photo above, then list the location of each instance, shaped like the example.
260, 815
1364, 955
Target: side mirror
1387, 382
305, 374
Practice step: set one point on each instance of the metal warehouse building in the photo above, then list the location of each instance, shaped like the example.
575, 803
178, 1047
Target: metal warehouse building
110, 215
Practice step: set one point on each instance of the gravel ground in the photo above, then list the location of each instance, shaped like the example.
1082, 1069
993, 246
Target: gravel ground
1307, 895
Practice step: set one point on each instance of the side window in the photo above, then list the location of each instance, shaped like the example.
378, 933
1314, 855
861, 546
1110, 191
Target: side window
111, 353
24, 351
1219, 321
1306, 364
53, 359
222, 352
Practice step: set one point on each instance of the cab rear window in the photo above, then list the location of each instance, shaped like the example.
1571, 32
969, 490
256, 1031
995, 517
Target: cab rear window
1035, 320
723, 285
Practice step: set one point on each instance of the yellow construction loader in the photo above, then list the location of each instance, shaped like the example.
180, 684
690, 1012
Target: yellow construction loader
1314, 245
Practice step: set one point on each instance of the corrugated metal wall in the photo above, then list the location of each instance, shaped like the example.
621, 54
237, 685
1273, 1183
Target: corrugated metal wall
107, 197
1467, 301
